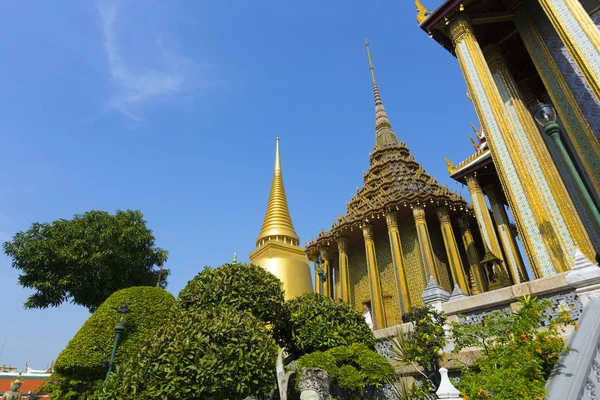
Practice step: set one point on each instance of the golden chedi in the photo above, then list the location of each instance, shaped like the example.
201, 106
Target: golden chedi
278, 247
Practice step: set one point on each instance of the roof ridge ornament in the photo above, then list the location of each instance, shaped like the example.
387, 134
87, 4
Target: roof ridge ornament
422, 12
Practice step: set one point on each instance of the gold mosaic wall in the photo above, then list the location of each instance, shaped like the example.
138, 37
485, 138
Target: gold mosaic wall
387, 276
359, 277
410, 249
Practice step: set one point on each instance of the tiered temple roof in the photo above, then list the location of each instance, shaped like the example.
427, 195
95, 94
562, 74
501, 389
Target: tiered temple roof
394, 180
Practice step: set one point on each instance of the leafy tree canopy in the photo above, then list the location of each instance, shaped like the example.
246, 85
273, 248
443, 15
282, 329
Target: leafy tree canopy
81, 365
216, 353
421, 346
519, 352
85, 259
246, 287
312, 322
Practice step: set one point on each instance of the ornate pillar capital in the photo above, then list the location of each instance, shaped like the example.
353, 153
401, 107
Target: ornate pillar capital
367, 230
419, 213
324, 252
472, 183
342, 243
443, 214
391, 220
460, 28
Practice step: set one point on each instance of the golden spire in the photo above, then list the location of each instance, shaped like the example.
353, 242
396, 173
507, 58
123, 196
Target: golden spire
422, 12
384, 134
278, 222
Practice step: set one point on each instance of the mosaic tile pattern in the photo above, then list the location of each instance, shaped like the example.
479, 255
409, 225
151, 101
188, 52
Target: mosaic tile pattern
574, 78
534, 167
529, 222
359, 276
528, 35
583, 41
387, 276
410, 249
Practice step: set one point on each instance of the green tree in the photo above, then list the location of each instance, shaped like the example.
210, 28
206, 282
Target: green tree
518, 352
312, 322
81, 366
86, 259
217, 353
246, 287
421, 346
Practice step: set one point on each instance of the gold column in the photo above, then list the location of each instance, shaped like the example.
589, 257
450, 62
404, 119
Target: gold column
499, 131
398, 260
342, 243
327, 269
515, 265
579, 35
425, 250
375, 284
478, 281
456, 266
564, 228
482, 215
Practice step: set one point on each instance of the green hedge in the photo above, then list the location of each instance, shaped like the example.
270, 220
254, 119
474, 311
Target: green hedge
216, 353
312, 322
79, 365
353, 368
246, 287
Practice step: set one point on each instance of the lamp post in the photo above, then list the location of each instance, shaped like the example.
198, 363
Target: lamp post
119, 329
545, 115
322, 274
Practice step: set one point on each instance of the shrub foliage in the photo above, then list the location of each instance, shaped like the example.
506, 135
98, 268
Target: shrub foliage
216, 353
519, 352
353, 368
312, 322
246, 287
80, 365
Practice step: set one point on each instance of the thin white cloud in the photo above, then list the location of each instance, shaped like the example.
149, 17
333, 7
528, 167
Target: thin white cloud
135, 87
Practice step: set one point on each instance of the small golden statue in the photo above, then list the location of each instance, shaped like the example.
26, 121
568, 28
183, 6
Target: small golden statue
13, 393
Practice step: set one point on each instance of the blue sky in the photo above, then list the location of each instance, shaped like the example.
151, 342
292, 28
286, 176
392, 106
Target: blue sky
172, 108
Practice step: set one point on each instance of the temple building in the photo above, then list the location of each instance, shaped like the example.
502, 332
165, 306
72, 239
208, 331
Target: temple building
532, 72
399, 229
278, 246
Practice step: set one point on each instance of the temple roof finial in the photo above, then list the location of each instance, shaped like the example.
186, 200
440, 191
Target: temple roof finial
234, 258
278, 223
384, 134
422, 12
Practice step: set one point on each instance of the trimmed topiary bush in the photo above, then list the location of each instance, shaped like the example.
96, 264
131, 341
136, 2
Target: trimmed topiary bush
246, 287
79, 367
313, 322
216, 353
353, 368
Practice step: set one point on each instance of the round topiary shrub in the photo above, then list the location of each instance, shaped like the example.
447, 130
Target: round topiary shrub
216, 353
313, 322
354, 368
246, 287
82, 364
